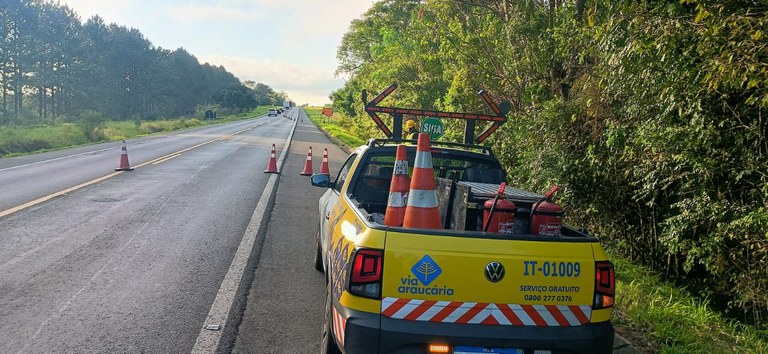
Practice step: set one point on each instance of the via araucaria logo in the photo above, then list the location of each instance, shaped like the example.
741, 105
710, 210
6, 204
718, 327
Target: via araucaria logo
426, 270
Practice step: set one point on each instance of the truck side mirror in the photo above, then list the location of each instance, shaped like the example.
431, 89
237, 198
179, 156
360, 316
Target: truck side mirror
321, 180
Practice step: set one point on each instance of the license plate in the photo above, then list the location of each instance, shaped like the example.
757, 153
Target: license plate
475, 350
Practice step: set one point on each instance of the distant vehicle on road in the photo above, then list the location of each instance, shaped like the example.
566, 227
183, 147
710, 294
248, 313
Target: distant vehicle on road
272, 113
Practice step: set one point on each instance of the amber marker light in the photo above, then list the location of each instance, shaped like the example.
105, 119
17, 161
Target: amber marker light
439, 348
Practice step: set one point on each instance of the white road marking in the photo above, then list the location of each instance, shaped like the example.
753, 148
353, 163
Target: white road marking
208, 341
58, 158
88, 183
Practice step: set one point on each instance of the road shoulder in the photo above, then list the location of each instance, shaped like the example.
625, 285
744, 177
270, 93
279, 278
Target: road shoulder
283, 311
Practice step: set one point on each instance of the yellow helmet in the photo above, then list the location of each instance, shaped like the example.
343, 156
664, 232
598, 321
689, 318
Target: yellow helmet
409, 124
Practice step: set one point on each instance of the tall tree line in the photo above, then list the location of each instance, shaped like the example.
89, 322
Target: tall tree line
53, 65
652, 114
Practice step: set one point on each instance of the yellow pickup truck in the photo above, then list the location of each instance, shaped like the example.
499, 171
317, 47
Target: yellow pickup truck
457, 289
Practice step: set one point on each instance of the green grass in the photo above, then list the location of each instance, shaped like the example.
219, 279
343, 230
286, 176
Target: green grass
654, 315
671, 320
14, 141
20, 140
333, 126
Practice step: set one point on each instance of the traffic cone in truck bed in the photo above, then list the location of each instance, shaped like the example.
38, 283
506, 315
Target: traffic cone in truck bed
421, 210
124, 164
308, 164
398, 189
272, 163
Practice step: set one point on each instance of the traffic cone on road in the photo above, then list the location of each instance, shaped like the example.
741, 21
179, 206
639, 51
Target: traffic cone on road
324, 166
272, 163
308, 165
124, 164
398, 189
421, 210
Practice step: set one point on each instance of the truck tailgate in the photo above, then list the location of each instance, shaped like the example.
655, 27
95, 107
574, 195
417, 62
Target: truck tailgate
454, 279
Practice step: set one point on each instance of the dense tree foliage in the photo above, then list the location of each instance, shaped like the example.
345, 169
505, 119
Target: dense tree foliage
53, 65
652, 114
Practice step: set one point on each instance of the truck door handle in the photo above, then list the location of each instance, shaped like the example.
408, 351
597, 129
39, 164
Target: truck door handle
327, 216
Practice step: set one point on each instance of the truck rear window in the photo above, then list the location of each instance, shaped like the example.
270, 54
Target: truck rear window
371, 185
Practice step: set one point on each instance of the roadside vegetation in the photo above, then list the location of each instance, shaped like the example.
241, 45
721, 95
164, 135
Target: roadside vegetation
335, 126
66, 81
54, 65
653, 314
657, 316
650, 115
93, 128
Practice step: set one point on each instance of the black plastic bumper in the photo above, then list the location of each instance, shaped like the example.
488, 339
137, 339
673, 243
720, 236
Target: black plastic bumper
371, 333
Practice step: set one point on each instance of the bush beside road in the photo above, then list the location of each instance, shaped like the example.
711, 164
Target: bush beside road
651, 315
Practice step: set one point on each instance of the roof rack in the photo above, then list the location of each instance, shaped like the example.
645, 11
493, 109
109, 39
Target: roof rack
471, 119
468, 147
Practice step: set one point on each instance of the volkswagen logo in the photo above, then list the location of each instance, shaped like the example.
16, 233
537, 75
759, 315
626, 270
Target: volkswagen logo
494, 272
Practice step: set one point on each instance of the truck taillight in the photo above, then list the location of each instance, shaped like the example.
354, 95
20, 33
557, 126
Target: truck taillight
365, 275
605, 285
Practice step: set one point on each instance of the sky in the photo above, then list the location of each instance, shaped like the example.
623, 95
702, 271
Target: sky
289, 45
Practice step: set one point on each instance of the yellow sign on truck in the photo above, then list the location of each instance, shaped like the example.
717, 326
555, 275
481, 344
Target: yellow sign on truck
395, 289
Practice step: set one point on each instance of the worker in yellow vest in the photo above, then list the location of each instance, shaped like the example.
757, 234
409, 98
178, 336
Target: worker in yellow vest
411, 131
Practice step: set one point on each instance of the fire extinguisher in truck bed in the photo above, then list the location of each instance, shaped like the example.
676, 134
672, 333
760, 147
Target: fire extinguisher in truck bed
546, 216
499, 213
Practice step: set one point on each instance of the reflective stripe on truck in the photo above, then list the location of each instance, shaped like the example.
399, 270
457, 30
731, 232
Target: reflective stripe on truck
485, 313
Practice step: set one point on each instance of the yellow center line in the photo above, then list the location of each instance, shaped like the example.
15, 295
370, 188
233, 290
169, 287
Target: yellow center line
103, 178
165, 159
168, 156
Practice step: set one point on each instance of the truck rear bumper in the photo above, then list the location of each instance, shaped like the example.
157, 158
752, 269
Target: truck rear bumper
372, 333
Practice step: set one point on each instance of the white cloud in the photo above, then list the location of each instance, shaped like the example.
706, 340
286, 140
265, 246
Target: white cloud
303, 84
115, 11
195, 13
317, 19
259, 40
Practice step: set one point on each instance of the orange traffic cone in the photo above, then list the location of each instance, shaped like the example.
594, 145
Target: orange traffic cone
421, 210
308, 165
272, 164
398, 189
124, 164
324, 165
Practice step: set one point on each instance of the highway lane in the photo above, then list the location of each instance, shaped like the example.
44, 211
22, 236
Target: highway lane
131, 263
55, 171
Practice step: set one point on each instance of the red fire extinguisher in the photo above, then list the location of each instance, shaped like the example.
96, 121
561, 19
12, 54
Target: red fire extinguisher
499, 213
546, 216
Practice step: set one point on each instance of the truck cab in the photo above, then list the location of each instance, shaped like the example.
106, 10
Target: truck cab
456, 289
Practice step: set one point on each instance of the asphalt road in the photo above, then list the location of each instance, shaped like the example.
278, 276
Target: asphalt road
131, 263
138, 262
27, 178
